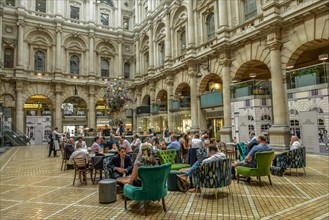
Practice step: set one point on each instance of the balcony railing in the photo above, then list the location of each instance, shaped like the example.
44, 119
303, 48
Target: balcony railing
178, 104
155, 107
308, 76
211, 99
144, 109
251, 87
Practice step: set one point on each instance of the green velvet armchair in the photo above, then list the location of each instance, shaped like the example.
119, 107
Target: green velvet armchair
242, 150
264, 160
154, 185
168, 156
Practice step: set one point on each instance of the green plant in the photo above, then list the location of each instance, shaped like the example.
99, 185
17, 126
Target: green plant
306, 71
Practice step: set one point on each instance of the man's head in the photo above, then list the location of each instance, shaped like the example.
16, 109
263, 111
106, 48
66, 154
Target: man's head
173, 137
71, 141
78, 145
213, 149
122, 152
293, 139
123, 137
97, 140
79, 139
251, 134
196, 135
106, 126
56, 128
102, 139
261, 139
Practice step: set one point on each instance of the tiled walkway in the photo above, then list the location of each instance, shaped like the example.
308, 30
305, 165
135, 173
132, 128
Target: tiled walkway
32, 186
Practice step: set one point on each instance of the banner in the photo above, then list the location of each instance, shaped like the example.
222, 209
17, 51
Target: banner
243, 128
309, 131
38, 128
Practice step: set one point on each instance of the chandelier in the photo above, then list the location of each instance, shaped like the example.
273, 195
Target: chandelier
116, 95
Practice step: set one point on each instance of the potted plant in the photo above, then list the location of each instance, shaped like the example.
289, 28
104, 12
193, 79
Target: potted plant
307, 76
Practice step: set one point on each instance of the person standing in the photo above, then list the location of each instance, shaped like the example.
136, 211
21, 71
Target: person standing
55, 136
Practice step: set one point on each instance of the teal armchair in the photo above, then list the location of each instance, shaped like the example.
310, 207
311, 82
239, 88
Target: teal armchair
168, 156
154, 185
264, 160
242, 150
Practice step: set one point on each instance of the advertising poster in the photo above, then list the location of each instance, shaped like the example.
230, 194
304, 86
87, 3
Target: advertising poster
243, 128
309, 131
38, 128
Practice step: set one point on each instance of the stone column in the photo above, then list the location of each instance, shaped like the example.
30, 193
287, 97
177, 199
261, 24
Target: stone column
226, 130
19, 106
58, 109
137, 70
151, 45
194, 105
279, 132
119, 19
58, 64
170, 94
91, 116
91, 53
190, 22
20, 45
168, 39
223, 22
136, 13
120, 63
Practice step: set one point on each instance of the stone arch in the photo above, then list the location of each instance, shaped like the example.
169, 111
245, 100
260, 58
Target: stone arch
162, 95
105, 48
260, 68
40, 98
206, 79
38, 89
179, 15
145, 43
7, 88
305, 54
182, 89
8, 100
40, 37
160, 31
70, 93
250, 51
146, 100
75, 43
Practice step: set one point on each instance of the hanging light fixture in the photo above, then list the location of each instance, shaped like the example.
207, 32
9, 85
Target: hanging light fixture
252, 75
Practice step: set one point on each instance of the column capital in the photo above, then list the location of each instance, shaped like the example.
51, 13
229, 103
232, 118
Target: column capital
92, 35
21, 22
225, 62
192, 70
275, 45
59, 29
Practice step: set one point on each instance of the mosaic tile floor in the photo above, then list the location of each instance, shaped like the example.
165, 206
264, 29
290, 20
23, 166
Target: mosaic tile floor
32, 186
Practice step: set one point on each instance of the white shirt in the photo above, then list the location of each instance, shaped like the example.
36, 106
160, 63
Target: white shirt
215, 157
295, 145
197, 143
83, 144
79, 153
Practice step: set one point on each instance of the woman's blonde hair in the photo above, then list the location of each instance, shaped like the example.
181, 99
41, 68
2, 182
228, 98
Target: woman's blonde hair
147, 155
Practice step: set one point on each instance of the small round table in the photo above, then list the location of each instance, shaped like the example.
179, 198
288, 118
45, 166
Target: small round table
124, 179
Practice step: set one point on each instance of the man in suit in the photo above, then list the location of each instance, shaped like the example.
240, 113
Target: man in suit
121, 164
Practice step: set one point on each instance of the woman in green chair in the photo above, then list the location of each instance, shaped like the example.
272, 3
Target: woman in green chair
146, 158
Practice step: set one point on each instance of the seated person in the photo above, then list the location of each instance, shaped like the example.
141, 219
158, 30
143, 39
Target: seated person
214, 156
294, 144
80, 141
121, 164
95, 147
69, 148
146, 158
250, 160
174, 143
251, 143
79, 153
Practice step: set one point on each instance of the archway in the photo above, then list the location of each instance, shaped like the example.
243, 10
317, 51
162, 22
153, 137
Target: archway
146, 100
38, 110
210, 82
162, 100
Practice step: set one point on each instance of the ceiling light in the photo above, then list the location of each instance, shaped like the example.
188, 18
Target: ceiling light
323, 57
290, 67
252, 75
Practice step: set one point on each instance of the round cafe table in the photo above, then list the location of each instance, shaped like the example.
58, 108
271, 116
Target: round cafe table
124, 179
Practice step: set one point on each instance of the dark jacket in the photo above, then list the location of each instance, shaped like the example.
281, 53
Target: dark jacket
116, 162
68, 148
250, 145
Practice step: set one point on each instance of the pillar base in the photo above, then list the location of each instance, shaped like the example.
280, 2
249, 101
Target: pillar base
225, 134
279, 137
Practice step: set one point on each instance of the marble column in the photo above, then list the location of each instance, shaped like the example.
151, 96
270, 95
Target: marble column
19, 107
223, 19
226, 130
119, 21
170, 95
190, 23
151, 49
136, 13
91, 117
58, 111
58, 64
279, 132
120, 62
20, 45
168, 39
91, 53
193, 94
137, 71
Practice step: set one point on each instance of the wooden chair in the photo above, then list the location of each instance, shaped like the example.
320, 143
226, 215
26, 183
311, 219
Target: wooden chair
64, 159
81, 167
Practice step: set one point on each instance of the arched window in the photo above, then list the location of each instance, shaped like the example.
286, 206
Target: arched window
316, 109
105, 68
74, 64
108, 2
211, 25
8, 58
320, 122
162, 53
265, 128
182, 40
250, 118
126, 71
39, 61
